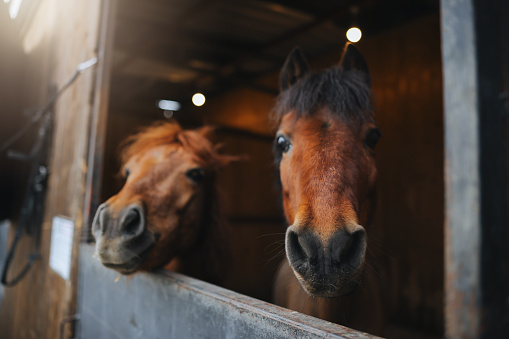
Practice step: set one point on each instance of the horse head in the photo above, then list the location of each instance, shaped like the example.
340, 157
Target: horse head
324, 148
166, 207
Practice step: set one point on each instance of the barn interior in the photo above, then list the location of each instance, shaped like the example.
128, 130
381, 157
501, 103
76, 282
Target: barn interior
231, 51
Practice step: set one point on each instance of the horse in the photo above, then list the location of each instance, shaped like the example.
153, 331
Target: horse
167, 212
324, 150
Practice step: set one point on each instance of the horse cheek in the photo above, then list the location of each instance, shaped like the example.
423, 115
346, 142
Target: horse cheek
288, 189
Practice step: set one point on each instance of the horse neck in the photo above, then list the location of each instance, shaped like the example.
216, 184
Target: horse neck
207, 259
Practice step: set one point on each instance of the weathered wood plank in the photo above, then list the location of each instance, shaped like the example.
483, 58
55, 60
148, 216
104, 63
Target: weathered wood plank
99, 115
171, 305
474, 48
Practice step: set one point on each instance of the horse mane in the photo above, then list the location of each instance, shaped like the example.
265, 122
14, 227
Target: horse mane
158, 134
214, 242
212, 248
345, 93
165, 133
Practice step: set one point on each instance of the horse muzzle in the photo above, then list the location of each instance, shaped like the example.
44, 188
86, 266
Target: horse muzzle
329, 267
122, 241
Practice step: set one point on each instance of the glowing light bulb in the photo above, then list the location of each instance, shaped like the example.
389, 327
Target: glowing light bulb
353, 34
198, 99
168, 105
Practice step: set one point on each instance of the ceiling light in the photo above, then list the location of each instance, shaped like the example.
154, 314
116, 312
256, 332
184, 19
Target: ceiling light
353, 34
169, 105
198, 99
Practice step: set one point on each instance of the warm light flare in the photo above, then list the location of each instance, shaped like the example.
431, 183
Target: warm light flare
353, 34
198, 99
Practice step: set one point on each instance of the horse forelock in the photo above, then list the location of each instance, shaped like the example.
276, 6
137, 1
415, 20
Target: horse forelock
167, 133
346, 94
203, 149
161, 133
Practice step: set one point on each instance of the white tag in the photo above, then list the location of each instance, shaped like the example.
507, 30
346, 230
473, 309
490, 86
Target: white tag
60, 254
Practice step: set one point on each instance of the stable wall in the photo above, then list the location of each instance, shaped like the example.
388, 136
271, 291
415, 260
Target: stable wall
12, 172
60, 35
407, 84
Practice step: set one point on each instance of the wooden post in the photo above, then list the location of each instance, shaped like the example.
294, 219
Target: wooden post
62, 35
475, 47
99, 117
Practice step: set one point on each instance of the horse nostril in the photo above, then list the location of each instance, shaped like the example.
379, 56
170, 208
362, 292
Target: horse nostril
304, 250
100, 219
294, 249
132, 222
348, 249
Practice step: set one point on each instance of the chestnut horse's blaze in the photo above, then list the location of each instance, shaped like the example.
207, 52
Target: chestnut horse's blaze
167, 208
325, 153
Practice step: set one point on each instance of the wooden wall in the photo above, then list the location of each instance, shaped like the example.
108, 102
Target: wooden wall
12, 172
407, 84
61, 35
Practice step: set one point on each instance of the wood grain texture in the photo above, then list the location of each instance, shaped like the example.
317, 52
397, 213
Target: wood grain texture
35, 307
171, 305
475, 41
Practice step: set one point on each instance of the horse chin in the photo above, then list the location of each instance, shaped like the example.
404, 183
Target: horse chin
331, 292
125, 268
328, 289
136, 257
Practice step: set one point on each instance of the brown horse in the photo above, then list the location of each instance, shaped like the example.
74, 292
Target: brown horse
325, 154
167, 213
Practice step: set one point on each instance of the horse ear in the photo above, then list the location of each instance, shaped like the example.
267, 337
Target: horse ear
225, 159
352, 59
295, 67
207, 131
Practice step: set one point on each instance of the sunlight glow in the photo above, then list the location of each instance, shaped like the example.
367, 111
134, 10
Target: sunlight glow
198, 99
41, 26
353, 34
14, 8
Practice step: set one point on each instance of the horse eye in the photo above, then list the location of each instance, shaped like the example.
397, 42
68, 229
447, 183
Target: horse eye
372, 137
126, 173
283, 144
196, 175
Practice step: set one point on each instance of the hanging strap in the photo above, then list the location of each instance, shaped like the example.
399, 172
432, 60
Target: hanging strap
32, 211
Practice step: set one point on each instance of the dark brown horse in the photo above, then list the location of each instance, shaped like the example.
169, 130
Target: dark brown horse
325, 154
166, 214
